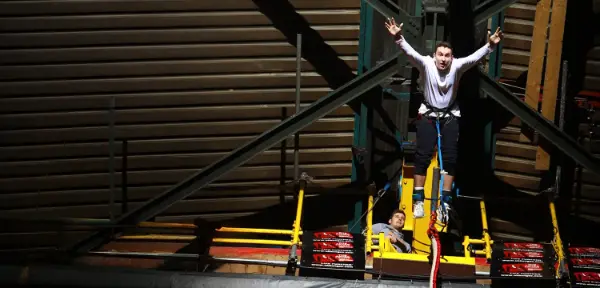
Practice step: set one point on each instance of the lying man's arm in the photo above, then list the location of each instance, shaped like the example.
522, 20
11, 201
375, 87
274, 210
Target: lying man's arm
378, 228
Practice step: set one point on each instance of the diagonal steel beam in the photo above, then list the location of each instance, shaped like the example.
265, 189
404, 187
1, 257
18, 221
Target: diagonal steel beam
487, 9
310, 114
390, 10
546, 128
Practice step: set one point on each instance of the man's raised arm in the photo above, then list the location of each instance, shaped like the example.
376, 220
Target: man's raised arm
471, 60
414, 57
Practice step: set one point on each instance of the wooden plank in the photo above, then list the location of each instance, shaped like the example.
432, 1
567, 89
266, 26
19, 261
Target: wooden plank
530, 2
158, 84
163, 36
586, 207
498, 236
500, 225
552, 78
592, 67
515, 165
68, 7
263, 96
518, 26
163, 161
523, 151
588, 177
165, 20
510, 134
515, 57
161, 52
143, 193
208, 144
512, 71
163, 177
591, 83
520, 11
587, 191
157, 68
54, 239
530, 183
175, 130
182, 207
153, 115
537, 56
594, 53
592, 145
516, 41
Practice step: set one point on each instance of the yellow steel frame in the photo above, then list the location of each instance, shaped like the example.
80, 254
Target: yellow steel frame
295, 232
387, 251
486, 240
419, 226
558, 245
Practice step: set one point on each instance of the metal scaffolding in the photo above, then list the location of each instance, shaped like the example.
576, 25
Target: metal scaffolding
353, 89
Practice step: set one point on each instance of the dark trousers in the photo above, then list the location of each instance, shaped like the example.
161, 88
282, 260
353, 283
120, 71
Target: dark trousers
427, 141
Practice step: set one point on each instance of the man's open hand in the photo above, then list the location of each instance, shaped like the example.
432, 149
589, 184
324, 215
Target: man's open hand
394, 29
496, 38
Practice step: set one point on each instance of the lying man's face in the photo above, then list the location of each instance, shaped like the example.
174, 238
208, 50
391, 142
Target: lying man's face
397, 221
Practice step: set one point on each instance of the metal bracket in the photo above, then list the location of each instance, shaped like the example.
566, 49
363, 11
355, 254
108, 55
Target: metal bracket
487, 9
435, 6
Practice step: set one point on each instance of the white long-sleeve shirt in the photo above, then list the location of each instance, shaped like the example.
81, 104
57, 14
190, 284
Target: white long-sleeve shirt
440, 87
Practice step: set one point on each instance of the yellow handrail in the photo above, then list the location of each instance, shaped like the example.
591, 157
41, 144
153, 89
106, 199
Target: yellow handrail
252, 241
369, 240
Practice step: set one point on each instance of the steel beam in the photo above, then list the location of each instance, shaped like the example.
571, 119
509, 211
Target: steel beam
390, 10
487, 9
546, 128
192, 184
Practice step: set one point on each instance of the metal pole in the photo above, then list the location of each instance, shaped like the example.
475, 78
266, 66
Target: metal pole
124, 197
561, 117
293, 257
434, 38
563, 95
111, 164
282, 162
298, 76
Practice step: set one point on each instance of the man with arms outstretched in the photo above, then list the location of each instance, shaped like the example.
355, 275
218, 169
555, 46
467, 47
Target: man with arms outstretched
440, 76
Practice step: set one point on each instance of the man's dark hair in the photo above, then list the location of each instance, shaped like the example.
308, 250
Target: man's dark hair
397, 211
443, 44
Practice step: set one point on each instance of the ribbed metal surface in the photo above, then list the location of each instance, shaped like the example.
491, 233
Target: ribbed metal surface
192, 80
515, 161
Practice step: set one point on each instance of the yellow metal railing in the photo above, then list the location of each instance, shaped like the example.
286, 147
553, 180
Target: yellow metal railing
486, 240
295, 232
558, 245
369, 240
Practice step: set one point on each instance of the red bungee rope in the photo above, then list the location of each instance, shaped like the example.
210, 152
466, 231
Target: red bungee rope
436, 249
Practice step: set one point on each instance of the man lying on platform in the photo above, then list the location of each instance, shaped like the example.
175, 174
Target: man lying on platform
392, 231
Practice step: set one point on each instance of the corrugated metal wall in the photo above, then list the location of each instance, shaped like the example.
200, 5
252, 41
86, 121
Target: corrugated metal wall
192, 80
515, 161
586, 192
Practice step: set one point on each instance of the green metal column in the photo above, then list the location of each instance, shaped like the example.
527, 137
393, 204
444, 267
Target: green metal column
495, 72
360, 120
